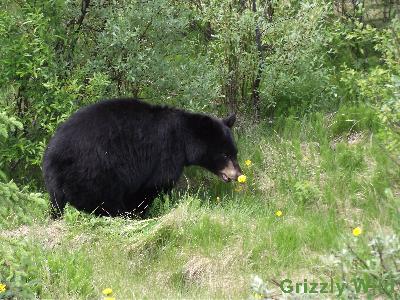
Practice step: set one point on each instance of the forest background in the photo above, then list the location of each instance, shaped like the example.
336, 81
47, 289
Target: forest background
316, 88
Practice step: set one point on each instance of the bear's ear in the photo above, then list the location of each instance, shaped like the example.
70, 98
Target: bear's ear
229, 121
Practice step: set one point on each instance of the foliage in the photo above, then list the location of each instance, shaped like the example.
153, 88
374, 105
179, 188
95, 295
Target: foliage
27, 62
28, 271
259, 289
11, 210
305, 191
8, 124
379, 85
144, 61
376, 265
389, 108
18, 270
294, 79
19, 207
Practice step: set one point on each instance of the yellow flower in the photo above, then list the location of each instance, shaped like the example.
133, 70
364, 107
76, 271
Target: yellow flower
218, 199
257, 296
239, 189
2, 287
247, 162
278, 213
242, 178
357, 231
107, 291
109, 298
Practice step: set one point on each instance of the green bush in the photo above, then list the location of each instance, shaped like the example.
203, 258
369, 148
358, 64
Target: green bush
30, 271
376, 85
20, 207
370, 270
306, 192
19, 270
16, 206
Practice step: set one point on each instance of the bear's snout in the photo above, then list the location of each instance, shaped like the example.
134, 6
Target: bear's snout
231, 171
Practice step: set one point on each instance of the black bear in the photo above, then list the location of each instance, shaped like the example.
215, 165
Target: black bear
114, 157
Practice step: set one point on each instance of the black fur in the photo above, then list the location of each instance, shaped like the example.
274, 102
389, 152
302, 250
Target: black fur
116, 156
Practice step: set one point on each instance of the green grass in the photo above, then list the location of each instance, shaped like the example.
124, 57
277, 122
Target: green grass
326, 177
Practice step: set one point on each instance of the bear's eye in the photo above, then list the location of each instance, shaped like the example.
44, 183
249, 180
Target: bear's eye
224, 156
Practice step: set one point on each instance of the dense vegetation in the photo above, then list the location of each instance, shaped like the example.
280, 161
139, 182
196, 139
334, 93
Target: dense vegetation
316, 87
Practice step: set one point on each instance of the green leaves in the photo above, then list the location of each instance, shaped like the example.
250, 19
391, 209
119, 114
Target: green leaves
19, 207
8, 124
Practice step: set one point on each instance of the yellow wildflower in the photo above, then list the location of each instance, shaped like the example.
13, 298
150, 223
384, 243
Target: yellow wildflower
257, 296
2, 287
218, 199
109, 298
357, 231
239, 189
107, 291
247, 162
242, 179
278, 213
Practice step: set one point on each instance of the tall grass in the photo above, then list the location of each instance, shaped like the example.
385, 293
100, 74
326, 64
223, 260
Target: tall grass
209, 238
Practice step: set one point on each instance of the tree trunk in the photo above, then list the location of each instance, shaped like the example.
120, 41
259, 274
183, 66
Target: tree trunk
256, 83
269, 11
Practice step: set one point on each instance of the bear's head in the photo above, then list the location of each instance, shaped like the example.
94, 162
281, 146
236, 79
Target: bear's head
210, 144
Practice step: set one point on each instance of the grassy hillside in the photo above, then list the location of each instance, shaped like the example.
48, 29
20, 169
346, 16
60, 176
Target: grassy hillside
327, 174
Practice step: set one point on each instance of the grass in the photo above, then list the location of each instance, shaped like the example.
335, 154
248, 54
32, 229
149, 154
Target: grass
326, 178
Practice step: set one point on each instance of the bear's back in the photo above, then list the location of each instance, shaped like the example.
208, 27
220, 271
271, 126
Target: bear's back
109, 111
110, 117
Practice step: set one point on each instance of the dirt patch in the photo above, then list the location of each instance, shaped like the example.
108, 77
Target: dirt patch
197, 268
49, 235
355, 138
222, 272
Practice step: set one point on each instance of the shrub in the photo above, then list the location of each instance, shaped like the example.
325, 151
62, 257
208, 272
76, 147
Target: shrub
371, 269
17, 206
19, 270
306, 192
377, 86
